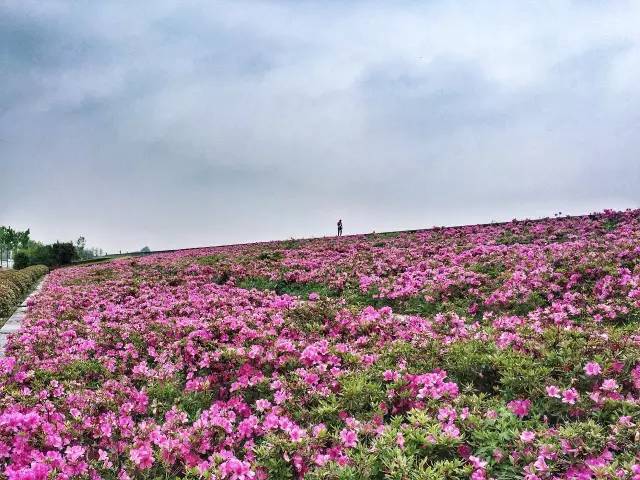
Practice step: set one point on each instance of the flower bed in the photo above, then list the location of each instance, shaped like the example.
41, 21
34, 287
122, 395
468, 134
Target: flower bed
500, 351
14, 284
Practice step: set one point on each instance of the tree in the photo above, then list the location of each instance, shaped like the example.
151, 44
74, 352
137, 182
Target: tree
63, 253
21, 260
8, 242
24, 238
80, 245
145, 250
3, 243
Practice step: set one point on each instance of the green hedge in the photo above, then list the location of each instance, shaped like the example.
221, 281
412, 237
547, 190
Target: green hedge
14, 284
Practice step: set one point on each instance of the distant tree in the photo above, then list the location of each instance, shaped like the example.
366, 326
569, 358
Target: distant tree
24, 238
3, 242
38, 253
145, 250
80, 247
63, 253
21, 260
10, 240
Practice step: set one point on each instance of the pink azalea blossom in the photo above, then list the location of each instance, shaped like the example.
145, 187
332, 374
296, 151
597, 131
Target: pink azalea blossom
527, 436
349, 438
592, 369
553, 391
142, 456
570, 396
520, 407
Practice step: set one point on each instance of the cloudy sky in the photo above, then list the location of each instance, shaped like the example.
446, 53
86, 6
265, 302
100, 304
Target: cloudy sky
184, 123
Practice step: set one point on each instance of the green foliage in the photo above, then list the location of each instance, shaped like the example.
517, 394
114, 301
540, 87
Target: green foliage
610, 224
272, 256
488, 435
428, 454
310, 317
509, 237
356, 298
360, 393
14, 284
415, 305
282, 287
493, 269
589, 429
291, 244
20, 260
472, 363
524, 307
94, 277
270, 456
166, 394
53, 255
90, 373
487, 369
10, 240
210, 260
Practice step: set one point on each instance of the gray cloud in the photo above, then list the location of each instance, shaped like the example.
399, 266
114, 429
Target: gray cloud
195, 123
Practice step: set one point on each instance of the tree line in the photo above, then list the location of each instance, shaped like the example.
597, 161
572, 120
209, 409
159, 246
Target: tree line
10, 241
18, 246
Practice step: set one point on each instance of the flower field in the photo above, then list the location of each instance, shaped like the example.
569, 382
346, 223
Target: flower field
499, 351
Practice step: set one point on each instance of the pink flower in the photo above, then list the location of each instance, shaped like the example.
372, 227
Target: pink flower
262, 404
297, 434
400, 440
477, 462
626, 421
570, 396
313, 296
609, 385
235, 469
390, 375
519, 407
553, 391
349, 438
142, 456
480, 474
592, 369
74, 453
318, 429
540, 464
527, 436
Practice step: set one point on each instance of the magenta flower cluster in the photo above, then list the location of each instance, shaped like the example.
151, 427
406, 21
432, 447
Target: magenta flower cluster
487, 349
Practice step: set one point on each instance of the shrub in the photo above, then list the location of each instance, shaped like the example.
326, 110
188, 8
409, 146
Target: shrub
282, 287
16, 283
20, 260
53, 255
63, 253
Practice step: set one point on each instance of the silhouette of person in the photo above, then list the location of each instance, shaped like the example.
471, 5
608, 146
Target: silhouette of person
340, 227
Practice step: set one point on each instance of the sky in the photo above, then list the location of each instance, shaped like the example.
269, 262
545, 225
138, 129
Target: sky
175, 124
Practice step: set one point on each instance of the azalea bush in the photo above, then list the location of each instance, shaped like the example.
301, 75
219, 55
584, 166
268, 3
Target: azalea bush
500, 351
14, 284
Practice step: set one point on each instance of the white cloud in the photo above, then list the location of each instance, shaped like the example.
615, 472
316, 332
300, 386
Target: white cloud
273, 117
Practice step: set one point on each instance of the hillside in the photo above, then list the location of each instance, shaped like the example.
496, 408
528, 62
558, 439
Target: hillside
493, 351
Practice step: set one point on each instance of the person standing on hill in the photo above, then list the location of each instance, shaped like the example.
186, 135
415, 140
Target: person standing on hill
340, 227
